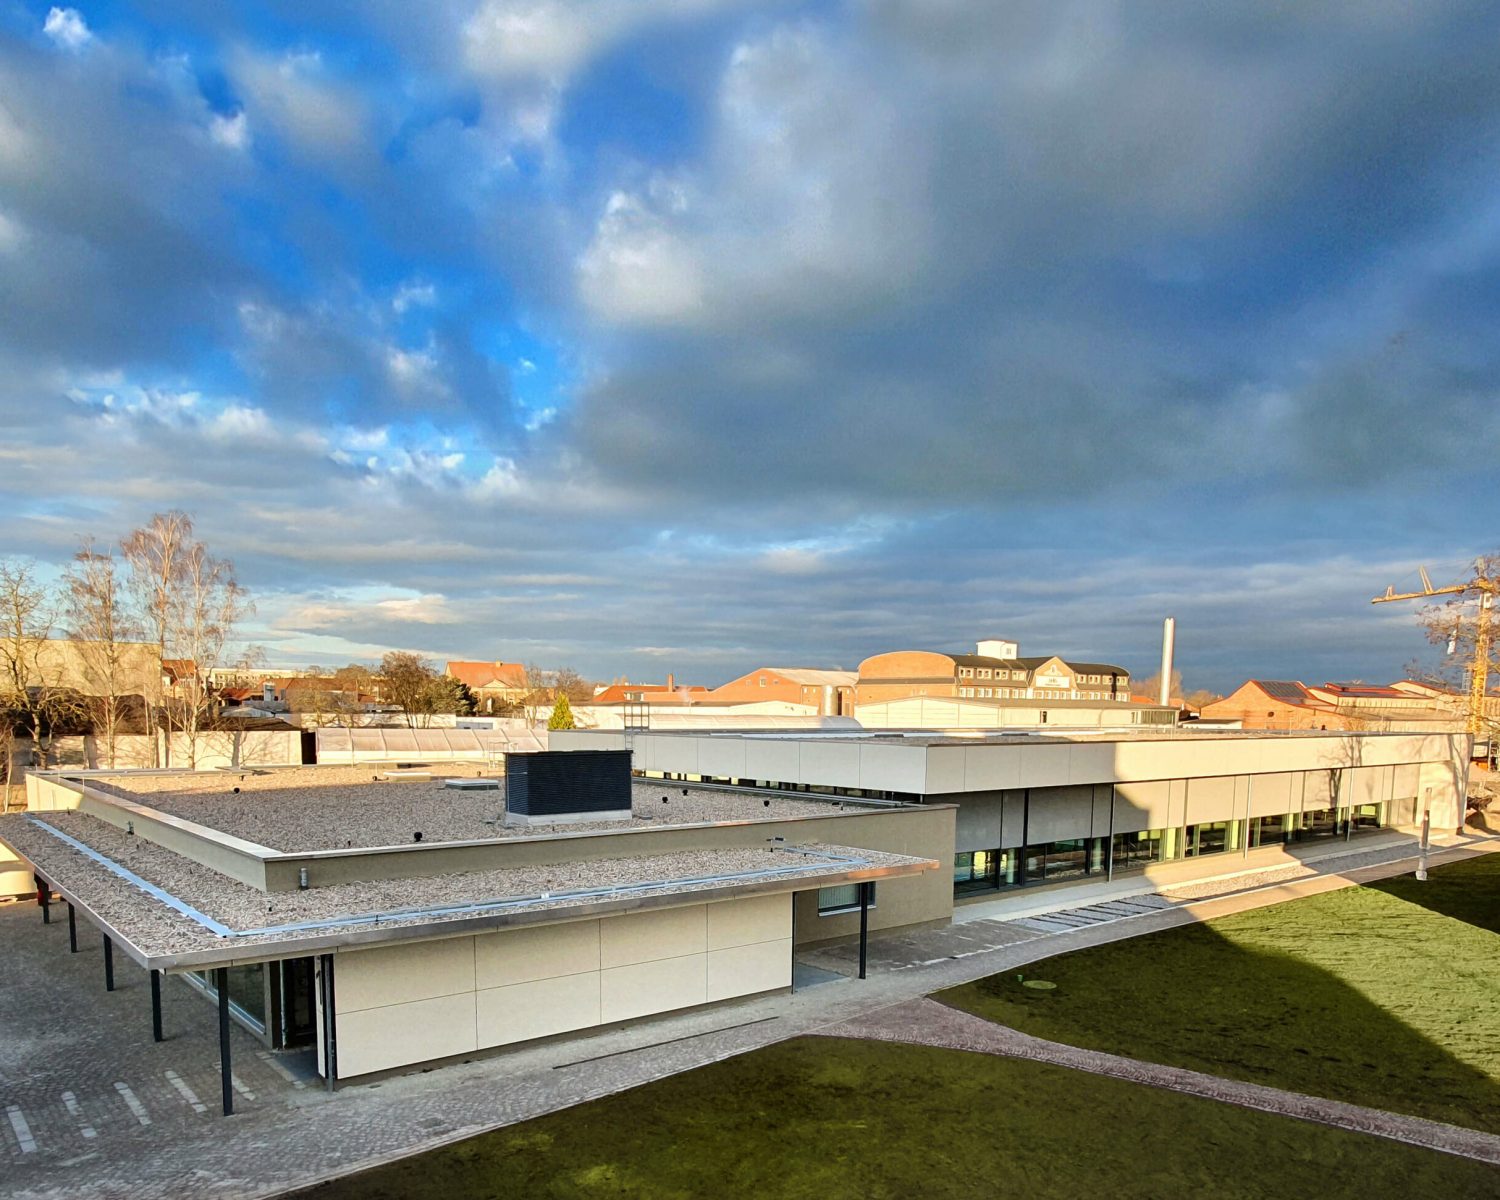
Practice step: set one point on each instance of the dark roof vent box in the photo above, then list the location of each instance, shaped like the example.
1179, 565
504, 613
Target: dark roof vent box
560, 787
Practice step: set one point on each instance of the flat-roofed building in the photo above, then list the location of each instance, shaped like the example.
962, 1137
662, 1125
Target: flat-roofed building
388, 923
1077, 807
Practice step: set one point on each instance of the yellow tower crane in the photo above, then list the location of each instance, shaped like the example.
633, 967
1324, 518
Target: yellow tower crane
1485, 585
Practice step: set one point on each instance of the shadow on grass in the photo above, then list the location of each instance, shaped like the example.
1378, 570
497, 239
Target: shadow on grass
826, 1119
1466, 891
1355, 995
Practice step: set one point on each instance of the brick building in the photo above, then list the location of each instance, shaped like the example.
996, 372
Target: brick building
995, 672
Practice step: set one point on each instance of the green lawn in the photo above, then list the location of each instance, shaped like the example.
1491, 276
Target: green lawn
1387, 995
824, 1119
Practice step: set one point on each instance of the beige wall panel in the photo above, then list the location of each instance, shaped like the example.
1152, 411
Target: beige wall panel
1363, 785
539, 1008
896, 768
378, 1039
1090, 762
15, 876
1317, 790
746, 922
945, 770
981, 819
1141, 806
652, 987
833, 763
1013, 827
647, 936
542, 952
1058, 813
1103, 793
1211, 799
722, 758
1046, 766
774, 759
745, 970
1404, 780
400, 974
988, 772
1272, 795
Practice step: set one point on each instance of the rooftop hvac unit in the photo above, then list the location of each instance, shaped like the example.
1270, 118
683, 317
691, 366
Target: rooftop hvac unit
560, 787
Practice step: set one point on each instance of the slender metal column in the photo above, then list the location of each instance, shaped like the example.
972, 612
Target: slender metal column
156, 1006
330, 1023
221, 982
72, 930
864, 927
44, 898
109, 964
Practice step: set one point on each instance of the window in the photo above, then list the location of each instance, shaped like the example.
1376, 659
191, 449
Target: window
983, 871
1137, 851
985, 692
982, 673
1213, 837
841, 899
762, 681
1067, 859
1044, 716
966, 672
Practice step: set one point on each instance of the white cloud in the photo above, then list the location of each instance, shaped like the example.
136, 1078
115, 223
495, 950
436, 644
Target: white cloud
813, 199
12, 233
413, 295
295, 95
232, 132
67, 28
638, 269
552, 39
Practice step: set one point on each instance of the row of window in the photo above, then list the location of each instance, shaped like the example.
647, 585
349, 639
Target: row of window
985, 693
1050, 862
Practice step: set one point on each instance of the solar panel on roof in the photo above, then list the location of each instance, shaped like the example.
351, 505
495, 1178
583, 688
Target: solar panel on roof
1279, 689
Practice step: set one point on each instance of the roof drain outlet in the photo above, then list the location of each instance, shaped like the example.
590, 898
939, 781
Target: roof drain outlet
302, 878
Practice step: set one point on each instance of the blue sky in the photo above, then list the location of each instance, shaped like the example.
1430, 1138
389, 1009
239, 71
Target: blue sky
693, 335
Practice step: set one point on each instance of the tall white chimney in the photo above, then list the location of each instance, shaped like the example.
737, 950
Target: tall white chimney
1168, 644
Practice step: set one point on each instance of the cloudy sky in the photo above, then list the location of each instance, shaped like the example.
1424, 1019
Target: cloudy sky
693, 335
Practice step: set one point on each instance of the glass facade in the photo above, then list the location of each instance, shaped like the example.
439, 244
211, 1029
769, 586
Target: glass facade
978, 871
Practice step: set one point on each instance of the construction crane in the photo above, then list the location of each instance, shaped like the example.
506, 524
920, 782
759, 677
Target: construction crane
1485, 585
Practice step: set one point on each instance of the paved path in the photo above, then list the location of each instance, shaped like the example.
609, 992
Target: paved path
86, 1041
925, 1022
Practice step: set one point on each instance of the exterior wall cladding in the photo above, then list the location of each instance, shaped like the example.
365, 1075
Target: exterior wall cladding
555, 782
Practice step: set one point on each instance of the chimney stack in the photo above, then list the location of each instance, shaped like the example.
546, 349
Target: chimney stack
671, 681
1168, 645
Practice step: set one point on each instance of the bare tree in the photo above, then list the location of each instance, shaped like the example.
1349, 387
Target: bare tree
568, 682
99, 619
210, 604
409, 680
190, 603
26, 617
154, 553
538, 695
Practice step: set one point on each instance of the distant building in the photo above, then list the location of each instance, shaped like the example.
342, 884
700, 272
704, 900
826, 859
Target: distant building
1291, 704
76, 665
495, 685
827, 693
670, 692
994, 672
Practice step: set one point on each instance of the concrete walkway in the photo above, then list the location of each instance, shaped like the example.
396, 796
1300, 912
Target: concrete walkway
925, 1022
288, 1137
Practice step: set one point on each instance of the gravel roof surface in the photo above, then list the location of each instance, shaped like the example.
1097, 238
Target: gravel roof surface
159, 930
334, 808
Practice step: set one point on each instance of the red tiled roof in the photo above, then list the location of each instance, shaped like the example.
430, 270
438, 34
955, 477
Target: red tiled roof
651, 693
488, 674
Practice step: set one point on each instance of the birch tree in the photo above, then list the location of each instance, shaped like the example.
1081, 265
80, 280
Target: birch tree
98, 617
